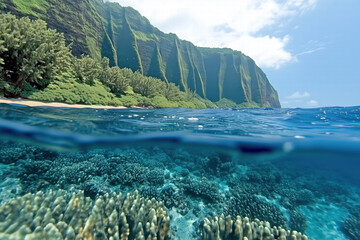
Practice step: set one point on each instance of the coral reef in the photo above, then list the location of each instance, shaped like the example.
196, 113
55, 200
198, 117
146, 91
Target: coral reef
260, 179
203, 188
171, 196
95, 186
252, 206
192, 184
227, 228
351, 226
12, 152
64, 169
218, 164
64, 215
297, 221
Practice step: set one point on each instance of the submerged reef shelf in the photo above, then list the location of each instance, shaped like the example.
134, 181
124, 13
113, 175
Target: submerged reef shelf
192, 185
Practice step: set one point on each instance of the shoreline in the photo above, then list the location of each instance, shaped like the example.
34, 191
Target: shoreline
33, 103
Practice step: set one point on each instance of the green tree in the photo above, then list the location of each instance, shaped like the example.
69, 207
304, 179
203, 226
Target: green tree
88, 69
172, 92
127, 72
140, 84
225, 103
30, 53
2, 5
2, 49
146, 86
115, 80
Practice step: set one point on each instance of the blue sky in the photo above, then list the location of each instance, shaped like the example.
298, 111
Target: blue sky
309, 49
326, 43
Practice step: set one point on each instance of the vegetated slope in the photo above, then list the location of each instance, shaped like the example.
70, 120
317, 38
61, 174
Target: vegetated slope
105, 29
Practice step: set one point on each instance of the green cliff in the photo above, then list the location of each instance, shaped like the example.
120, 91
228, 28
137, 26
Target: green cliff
104, 29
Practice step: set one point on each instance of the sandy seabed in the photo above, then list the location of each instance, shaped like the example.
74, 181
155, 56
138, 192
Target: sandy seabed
31, 103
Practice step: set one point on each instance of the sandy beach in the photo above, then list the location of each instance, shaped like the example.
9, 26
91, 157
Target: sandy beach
31, 103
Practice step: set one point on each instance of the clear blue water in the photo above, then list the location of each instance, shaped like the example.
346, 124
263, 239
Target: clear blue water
302, 164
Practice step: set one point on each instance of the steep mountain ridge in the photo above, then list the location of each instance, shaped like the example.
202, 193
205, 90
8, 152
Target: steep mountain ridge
105, 29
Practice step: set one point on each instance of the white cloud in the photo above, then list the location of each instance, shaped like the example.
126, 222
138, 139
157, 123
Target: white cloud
298, 95
293, 103
237, 24
310, 51
298, 99
312, 103
311, 47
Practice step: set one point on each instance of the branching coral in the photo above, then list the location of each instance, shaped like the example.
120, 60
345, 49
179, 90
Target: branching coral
64, 215
225, 228
252, 206
201, 188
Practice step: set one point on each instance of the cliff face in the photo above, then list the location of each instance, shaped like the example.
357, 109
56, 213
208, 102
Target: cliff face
129, 40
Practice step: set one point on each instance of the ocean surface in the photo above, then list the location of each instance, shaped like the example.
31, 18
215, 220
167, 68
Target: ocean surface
295, 168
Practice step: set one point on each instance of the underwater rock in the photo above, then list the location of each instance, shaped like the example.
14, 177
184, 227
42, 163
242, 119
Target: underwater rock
65, 215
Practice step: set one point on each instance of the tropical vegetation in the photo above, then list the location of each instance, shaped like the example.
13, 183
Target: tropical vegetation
100, 29
36, 63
